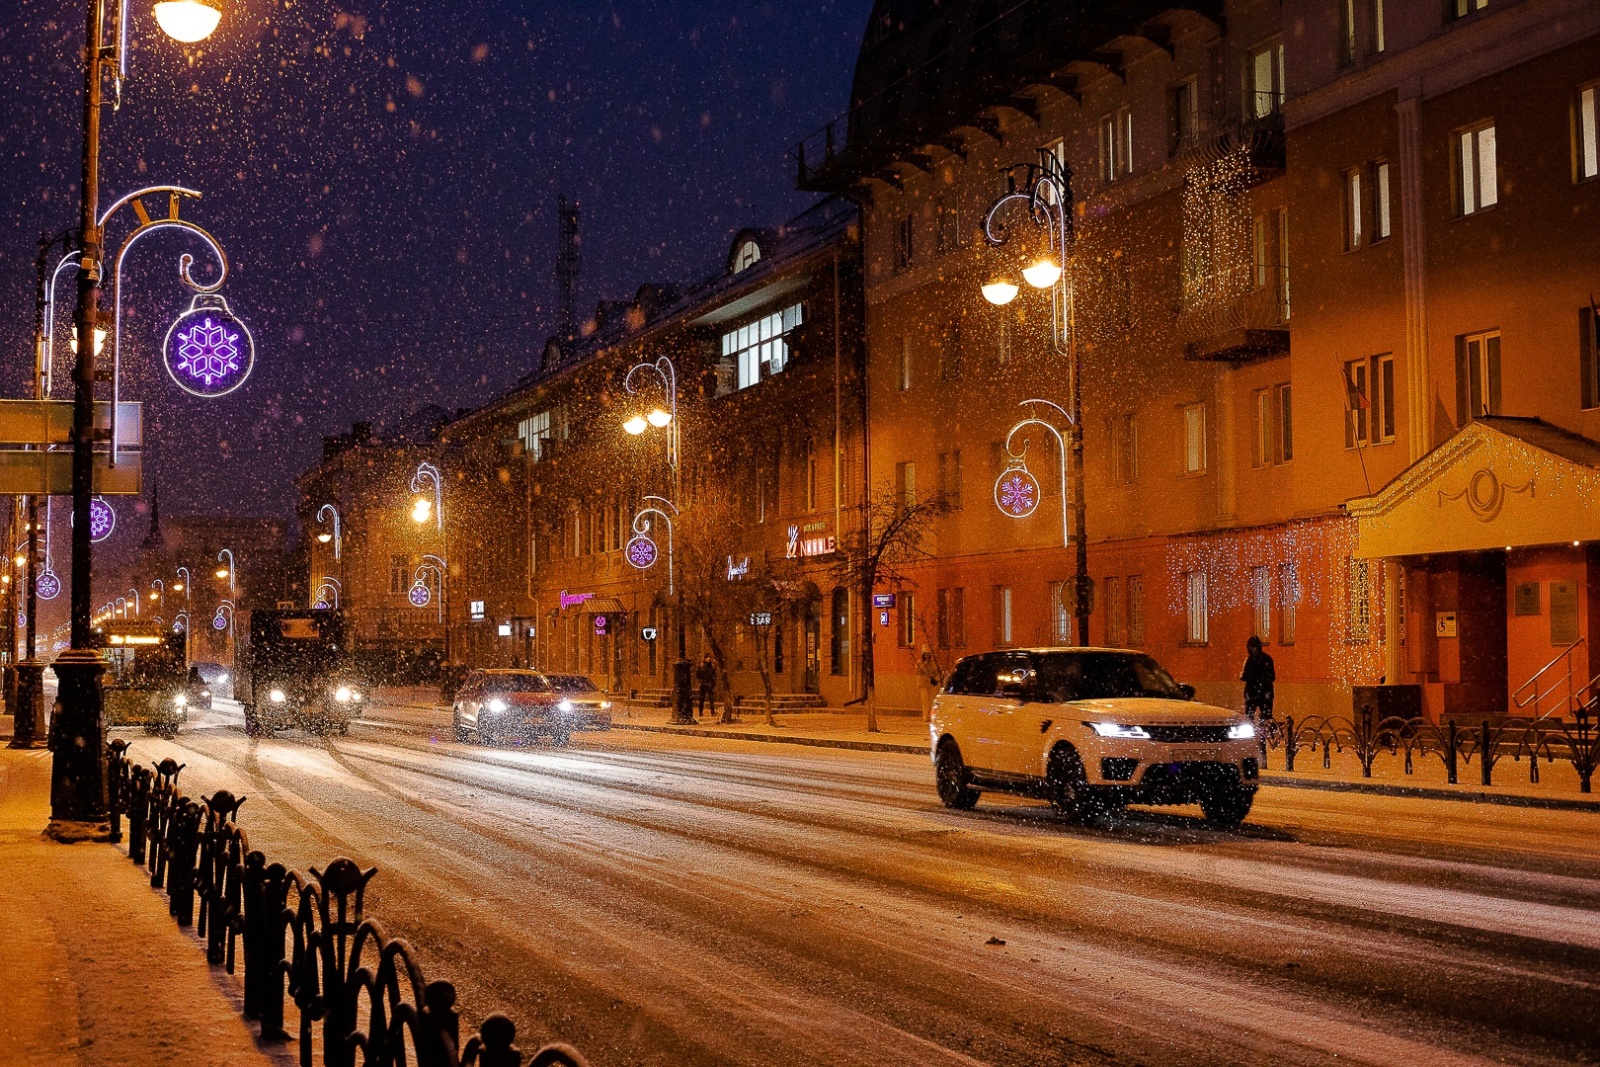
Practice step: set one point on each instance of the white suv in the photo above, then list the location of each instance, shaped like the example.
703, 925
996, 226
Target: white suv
1091, 730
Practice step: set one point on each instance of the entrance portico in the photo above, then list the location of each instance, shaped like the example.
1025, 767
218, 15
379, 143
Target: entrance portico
1490, 547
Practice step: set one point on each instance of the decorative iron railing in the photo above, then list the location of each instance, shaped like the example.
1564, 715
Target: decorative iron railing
1457, 746
360, 996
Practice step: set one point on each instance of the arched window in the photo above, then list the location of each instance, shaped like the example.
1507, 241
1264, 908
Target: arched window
749, 253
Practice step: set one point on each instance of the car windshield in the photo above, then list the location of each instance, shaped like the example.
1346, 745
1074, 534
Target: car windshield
572, 683
516, 683
1101, 675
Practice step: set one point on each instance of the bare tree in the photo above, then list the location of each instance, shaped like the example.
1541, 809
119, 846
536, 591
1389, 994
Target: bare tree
894, 525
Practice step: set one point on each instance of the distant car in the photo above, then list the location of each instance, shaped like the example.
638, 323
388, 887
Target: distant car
196, 694
582, 701
1091, 730
491, 705
217, 679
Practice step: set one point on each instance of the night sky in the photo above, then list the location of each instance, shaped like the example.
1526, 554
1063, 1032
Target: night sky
383, 174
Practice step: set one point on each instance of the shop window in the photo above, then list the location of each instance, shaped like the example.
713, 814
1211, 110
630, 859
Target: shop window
839, 640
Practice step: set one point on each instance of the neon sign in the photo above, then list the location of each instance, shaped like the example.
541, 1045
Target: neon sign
102, 520
209, 352
47, 585
642, 552
809, 546
738, 570
572, 600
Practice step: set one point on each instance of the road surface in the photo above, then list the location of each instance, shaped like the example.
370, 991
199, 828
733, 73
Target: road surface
665, 900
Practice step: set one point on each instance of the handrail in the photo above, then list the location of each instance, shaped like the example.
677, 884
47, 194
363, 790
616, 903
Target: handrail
1530, 693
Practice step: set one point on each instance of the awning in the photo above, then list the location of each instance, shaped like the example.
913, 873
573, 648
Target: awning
602, 605
1499, 482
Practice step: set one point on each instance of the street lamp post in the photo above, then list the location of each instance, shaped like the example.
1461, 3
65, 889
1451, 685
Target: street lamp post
667, 418
183, 584
1046, 193
421, 509
78, 802
324, 537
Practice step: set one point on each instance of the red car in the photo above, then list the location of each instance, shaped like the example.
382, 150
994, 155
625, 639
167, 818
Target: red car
492, 705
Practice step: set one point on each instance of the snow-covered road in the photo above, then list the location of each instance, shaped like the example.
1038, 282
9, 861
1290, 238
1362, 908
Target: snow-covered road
666, 900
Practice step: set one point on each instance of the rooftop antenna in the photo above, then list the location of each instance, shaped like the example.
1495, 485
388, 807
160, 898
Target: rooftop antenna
567, 264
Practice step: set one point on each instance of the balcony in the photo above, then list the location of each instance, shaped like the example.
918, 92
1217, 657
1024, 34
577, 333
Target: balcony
1245, 327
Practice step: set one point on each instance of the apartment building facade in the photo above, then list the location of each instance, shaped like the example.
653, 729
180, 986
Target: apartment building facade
1263, 362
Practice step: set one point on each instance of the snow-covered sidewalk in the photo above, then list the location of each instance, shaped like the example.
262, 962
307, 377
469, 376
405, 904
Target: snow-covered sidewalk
94, 971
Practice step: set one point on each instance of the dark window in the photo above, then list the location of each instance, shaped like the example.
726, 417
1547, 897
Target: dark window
839, 642
1588, 350
1477, 376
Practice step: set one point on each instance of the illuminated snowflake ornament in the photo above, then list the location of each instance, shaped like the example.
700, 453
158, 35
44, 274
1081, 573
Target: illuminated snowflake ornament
219, 621
102, 520
178, 626
420, 594
1016, 491
47, 585
642, 552
208, 351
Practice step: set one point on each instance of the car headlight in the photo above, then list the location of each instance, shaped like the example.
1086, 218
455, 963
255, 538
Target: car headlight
1241, 731
497, 705
605, 705
1116, 729
355, 695
181, 700
342, 694
565, 705
221, 678
205, 692
277, 696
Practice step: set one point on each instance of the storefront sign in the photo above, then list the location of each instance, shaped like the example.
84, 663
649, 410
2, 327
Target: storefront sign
761, 618
504, 629
738, 570
648, 633
602, 625
476, 608
816, 545
572, 600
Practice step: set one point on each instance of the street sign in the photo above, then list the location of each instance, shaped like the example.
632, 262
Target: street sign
883, 600
49, 422
50, 474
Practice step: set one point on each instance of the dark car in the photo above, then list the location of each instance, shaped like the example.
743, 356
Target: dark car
585, 705
196, 693
217, 678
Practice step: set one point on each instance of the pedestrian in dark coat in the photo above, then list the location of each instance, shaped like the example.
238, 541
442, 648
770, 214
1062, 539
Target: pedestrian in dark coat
706, 675
1260, 678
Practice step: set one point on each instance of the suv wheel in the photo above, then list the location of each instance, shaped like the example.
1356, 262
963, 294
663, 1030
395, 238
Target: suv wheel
951, 778
1226, 805
463, 735
1069, 789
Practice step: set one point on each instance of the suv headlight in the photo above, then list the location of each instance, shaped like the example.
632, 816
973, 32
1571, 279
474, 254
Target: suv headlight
497, 705
181, 700
1116, 729
564, 705
1241, 731
277, 696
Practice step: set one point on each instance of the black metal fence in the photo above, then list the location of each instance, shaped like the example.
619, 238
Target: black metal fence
1457, 746
358, 994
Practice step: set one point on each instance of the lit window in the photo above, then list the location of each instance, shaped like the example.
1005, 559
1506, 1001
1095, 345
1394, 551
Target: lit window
1588, 152
905, 479
1382, 227
1264, 81
1263, 436
1464, 8
1194, 438
1475, 156
1261, 601
758, 348
749, 253
1002, 614
1352, 209
1357, 403
1383, 399
1197, 617
1288, 599
533, 433
905, 363
1477, 375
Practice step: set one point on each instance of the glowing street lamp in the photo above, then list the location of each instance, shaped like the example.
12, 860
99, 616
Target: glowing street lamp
421, 507
133, 598
226, 572
183, 584
154, 595
999, 290
323, 535
188, 21
636, 425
